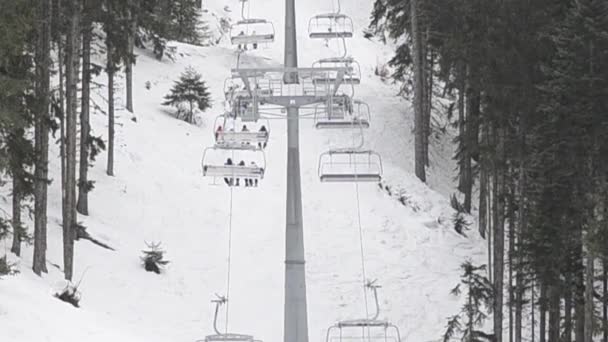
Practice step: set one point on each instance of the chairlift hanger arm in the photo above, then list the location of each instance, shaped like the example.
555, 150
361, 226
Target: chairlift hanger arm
339, 79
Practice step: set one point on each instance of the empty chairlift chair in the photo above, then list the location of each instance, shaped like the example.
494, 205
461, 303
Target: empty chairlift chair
344, 115
225, 337
350, 165
330, 26
252, 31
364, 330
353, 76
218, 162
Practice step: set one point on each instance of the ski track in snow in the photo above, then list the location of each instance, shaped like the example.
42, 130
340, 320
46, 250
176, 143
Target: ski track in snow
158, 194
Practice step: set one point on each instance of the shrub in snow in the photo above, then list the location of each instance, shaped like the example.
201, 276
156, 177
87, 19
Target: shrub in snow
6, 267
188, 94
69, 293
153, 258
459, 219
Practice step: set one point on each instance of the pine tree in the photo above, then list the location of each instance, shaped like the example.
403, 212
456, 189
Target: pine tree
478, 293
190, 89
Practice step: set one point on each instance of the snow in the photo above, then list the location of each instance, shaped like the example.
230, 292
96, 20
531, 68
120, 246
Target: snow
159, 194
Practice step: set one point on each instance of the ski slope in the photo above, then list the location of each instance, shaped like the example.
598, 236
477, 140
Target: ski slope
158, 194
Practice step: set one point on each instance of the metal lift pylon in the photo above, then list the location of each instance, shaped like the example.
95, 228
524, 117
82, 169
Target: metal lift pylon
295, 310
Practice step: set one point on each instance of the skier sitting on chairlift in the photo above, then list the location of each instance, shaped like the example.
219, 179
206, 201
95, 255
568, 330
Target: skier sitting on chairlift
255, 44
241, 163
218, 131
254, 181
262, 130
242, 33
229, 181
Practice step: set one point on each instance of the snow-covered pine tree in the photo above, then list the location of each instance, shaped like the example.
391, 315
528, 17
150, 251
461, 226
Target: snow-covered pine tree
190, 89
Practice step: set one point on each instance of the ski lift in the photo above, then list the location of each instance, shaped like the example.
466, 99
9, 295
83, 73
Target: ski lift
233, 134
351, 114
352, 77
330, 26
350, 165
218, 162
367, 329
252, 31
225, 337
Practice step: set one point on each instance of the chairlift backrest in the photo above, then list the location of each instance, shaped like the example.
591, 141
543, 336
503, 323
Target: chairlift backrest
330, 25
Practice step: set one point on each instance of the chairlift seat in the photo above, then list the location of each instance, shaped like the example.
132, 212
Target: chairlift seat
242, 137
349, 178
230, 338
332, 80
233, 171
236, 146
330, 35
342, 124
252, 38
363, 323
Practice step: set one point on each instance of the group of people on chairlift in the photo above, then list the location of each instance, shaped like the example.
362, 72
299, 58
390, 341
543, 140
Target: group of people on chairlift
248, 181
261, 145
244, 46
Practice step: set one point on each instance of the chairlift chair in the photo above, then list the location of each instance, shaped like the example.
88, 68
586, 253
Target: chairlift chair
213, 163
330, 26
252, 31
365, 330
350, 165
352, 77
228, 137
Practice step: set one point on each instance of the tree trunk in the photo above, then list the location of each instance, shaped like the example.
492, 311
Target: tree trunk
72, 67
605, 300
533, 312
428, 97
110, 71
461, 81
554, 311
85, 127
499, 239
16, 219
469, 137
418, 93
567, 336
42, 136
129, 63
511, 253
543, 313
589, 309
521, 228
579, 295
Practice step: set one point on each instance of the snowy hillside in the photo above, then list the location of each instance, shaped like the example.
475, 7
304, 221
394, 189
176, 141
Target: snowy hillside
158, 194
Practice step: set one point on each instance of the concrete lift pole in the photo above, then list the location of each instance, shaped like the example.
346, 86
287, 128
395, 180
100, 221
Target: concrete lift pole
295, 311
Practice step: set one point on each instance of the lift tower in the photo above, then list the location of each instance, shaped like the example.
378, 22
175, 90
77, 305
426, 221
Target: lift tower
295, 312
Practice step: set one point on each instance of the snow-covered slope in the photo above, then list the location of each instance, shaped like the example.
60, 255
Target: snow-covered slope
158, 194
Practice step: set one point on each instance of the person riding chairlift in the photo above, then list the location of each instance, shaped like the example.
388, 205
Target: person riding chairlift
218, 131
262, 130
244, 46
229, 181
255, 44
245, 129
241, 163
